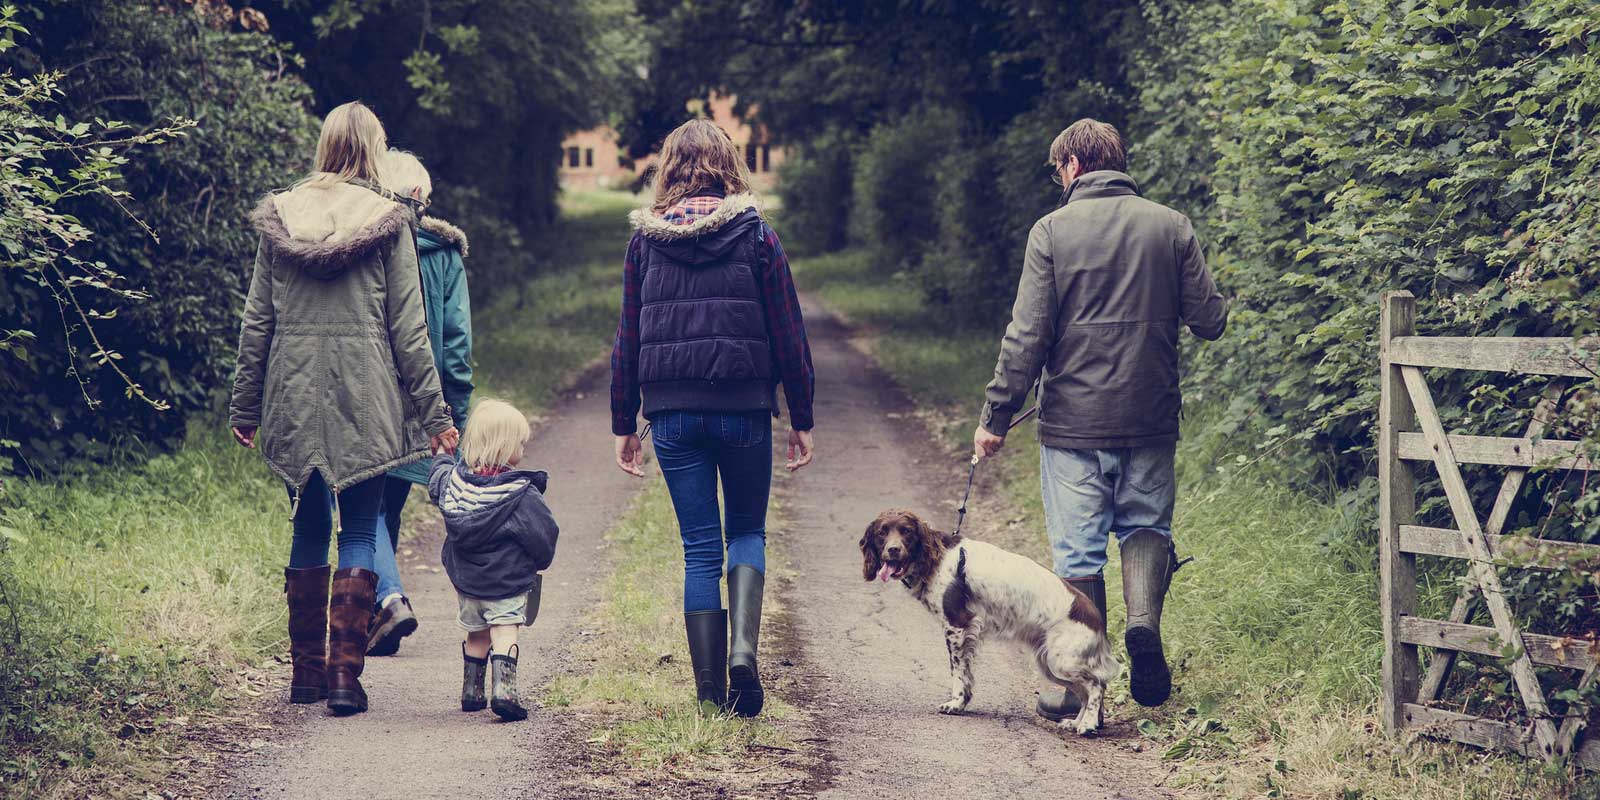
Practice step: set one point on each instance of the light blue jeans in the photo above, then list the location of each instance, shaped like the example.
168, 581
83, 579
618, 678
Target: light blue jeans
1089, 494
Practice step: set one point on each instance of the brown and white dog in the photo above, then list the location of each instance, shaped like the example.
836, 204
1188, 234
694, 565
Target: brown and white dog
978, 591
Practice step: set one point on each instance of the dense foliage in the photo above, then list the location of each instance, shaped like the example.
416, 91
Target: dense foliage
161, 250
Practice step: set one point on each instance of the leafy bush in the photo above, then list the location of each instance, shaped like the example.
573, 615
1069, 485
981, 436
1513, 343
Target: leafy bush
170, 315
895, 179
815, 184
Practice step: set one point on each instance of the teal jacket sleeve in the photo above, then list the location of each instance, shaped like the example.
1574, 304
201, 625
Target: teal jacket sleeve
456, 364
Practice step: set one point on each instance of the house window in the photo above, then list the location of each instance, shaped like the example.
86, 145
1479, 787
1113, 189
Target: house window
572, 157
588, 157
750, 157
766, 158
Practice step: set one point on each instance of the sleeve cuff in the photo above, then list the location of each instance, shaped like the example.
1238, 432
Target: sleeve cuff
621, 427
994, 420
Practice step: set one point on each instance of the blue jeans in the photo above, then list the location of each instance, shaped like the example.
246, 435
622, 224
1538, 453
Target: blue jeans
1089, 494
359, 507
694, 448
395, 492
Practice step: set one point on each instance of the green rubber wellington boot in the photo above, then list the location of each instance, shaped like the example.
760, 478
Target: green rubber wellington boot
1148, 561
708, 655
745, 587
1056, 703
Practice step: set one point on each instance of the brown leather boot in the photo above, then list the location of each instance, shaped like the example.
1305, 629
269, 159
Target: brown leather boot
349, 615
307, 593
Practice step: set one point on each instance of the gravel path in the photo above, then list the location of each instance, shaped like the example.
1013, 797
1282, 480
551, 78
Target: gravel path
415, 742
876, 658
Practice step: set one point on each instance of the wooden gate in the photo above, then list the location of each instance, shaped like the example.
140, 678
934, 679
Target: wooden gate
1407, 405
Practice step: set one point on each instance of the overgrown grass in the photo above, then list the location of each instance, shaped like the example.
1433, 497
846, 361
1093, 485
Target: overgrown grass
133, 597
1274, 628
136, 600
640, 673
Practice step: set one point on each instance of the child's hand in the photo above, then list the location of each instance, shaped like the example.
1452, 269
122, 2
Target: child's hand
446, 441
630, 455
246, 436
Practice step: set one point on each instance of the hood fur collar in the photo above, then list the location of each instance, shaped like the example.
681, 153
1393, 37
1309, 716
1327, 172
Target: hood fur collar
654, 227
323, 228
444, 230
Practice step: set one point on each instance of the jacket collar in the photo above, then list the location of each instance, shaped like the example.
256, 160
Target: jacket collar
1099, 184
658, 229
445, 232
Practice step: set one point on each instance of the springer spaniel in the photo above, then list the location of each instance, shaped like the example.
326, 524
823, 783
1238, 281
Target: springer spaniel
980, 590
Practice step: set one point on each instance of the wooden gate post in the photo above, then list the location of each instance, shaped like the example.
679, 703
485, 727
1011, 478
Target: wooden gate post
1397, 505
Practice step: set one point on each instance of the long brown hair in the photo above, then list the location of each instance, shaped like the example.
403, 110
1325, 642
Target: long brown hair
697, 157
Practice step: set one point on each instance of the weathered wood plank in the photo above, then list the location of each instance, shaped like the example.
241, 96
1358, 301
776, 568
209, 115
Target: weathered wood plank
1443, 660
1555, 651
1486, 733
1574, 723
1503, 450
1482, 566
1521, 551
1532, 356
1397, 505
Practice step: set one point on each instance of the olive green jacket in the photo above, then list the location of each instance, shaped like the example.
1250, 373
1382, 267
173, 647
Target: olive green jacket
334, 366
1106, 281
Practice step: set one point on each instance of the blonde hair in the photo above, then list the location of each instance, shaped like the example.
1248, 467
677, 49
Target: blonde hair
401, 172
496, 432
350, 146
699, 156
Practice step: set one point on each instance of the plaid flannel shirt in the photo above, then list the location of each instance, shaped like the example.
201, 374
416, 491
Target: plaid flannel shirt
786, 328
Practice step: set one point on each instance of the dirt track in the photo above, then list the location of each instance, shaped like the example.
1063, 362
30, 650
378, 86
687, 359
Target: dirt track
868, 663
415, 742
876, 659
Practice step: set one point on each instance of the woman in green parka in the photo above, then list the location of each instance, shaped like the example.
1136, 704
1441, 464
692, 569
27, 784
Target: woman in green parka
336, 385
440, 248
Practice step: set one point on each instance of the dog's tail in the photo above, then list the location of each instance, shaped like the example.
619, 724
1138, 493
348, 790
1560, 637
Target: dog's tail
958, 595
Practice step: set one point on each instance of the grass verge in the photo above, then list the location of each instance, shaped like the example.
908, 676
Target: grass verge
638, 685
1273, 629
139, 604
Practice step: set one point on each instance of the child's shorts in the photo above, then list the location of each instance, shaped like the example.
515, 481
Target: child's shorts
478, 614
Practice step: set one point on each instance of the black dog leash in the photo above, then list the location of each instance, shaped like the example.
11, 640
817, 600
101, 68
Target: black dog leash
961, 513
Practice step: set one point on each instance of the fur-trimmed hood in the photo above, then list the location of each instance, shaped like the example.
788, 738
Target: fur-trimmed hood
324, 228
702, 240
444, 233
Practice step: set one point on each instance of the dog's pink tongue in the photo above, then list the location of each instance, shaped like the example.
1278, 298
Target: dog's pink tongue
884, 572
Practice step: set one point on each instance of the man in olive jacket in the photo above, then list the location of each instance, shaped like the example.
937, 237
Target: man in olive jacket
1107, 279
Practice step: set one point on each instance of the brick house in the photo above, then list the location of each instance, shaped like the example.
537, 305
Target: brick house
592, 159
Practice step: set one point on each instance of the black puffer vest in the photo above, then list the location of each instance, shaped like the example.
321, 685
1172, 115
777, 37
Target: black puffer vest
703, 342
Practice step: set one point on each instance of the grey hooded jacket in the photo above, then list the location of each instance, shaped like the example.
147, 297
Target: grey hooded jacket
498, 530
1106, 280
334, 367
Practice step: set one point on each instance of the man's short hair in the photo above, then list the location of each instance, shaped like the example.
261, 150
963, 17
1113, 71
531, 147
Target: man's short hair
1096, 144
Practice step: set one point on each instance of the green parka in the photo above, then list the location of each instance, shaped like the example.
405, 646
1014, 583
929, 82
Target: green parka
334, 366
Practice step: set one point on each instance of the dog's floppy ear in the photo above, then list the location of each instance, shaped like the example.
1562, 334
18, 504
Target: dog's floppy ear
870, 563
932, 545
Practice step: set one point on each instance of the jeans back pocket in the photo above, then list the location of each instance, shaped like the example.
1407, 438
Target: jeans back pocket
747, 429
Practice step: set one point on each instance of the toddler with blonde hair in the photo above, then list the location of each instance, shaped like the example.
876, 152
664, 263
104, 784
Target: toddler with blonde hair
499, 535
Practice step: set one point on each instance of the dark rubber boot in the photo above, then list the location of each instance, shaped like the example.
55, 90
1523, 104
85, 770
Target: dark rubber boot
708, 654
1148, 561
503, 699
472, 671
745, 587
307, 593
349, 615
1057, 704
392, 623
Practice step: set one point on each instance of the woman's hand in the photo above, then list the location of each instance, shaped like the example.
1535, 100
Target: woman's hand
245, 436
799, 441
445, 441
630, 455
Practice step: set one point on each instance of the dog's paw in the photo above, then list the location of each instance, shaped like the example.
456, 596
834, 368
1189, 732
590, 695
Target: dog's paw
1085, 727
952, 707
